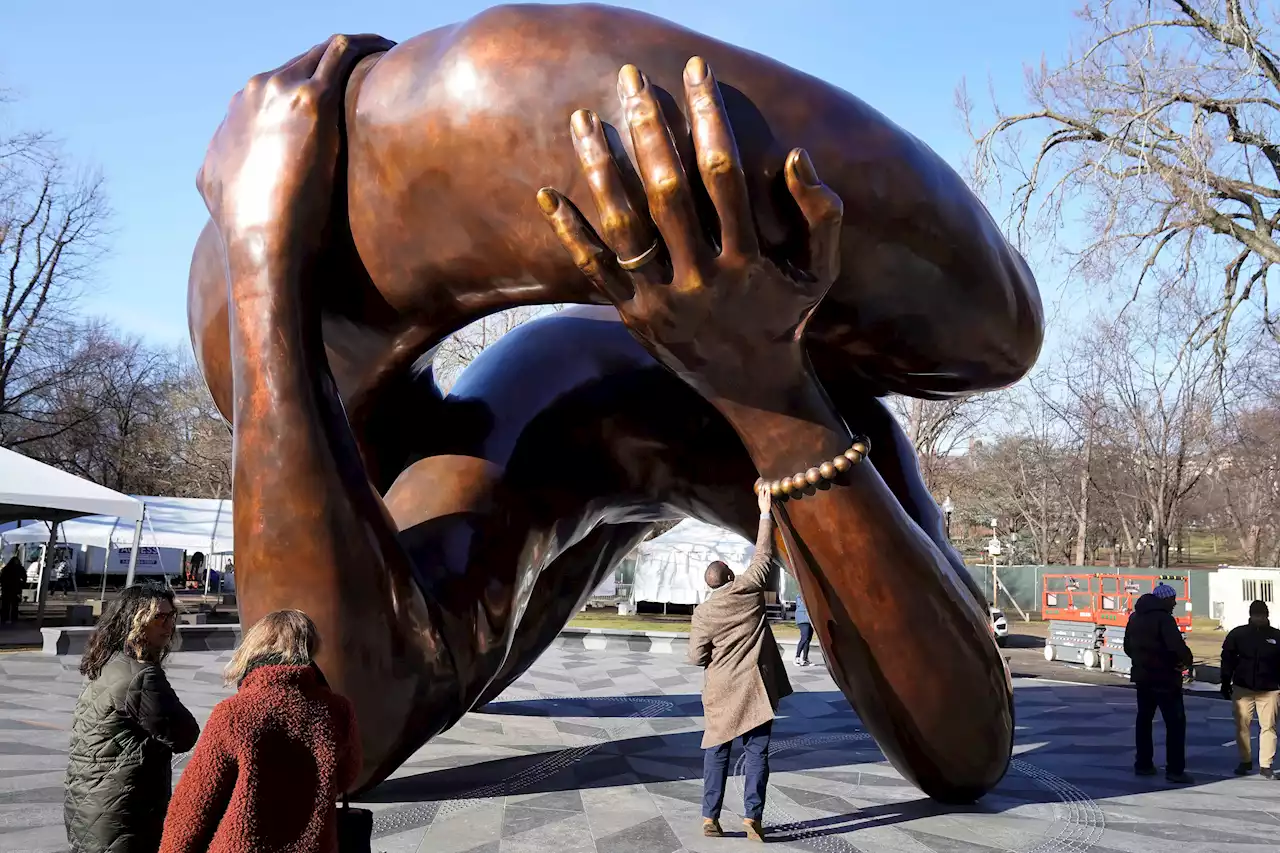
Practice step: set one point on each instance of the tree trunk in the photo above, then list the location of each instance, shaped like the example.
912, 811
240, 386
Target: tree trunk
1044, 512
1082, 517
1130, 547
1160, 548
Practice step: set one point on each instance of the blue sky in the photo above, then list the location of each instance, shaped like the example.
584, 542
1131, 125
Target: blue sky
137, 89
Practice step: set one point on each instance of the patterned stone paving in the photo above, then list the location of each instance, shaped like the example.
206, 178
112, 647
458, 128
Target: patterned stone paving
598, 751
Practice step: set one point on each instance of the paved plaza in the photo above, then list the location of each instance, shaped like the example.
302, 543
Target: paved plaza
598, 751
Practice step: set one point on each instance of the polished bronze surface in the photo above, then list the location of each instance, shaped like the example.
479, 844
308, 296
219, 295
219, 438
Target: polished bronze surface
441, 543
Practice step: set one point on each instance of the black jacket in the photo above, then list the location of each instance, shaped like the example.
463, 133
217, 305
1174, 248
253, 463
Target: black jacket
1251, 657
128, 723
13, 577
1155, 645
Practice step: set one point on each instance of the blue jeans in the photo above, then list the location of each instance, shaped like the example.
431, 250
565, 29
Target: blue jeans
715, 773
806, 636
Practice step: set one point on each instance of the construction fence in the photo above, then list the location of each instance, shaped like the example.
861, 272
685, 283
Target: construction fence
1021, 588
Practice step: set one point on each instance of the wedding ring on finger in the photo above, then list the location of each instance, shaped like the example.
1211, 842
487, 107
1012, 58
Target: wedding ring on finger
632, 264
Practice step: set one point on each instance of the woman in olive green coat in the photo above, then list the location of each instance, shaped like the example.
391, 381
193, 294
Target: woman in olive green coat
128, 724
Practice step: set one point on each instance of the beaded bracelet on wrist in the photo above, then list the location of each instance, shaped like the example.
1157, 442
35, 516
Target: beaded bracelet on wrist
797, 483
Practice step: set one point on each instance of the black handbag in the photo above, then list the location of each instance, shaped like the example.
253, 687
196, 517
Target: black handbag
355, 829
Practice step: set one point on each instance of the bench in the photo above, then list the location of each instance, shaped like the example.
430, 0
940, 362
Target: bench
71, 639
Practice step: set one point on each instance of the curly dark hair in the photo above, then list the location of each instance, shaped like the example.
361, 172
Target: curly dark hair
121, 626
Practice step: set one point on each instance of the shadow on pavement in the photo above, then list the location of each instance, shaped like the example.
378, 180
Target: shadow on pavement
1023, 641
667, 760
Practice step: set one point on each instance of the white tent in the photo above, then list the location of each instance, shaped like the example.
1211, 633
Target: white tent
31, 489
191, 524
670, 567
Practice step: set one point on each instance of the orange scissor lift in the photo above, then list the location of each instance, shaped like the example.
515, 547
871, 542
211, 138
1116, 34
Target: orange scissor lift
1087, 615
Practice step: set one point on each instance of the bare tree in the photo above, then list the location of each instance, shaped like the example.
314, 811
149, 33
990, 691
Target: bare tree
115, 398
1019, 482
939, 428
139, 419
464, 346
1159, 134
51, 225
1246, 481
1166, 396
1072, 388
200, 455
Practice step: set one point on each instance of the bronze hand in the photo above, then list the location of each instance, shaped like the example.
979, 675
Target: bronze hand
269, 171
711, 311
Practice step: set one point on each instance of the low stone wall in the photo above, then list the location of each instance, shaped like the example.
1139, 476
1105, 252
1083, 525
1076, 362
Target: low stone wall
71, 640
653, 642
203, 638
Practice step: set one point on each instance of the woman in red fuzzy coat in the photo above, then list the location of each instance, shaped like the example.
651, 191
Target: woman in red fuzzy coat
273, 758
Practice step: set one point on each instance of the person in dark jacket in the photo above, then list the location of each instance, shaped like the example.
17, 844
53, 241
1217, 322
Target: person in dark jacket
1251, 679
1159, 654
127, 726
274, 757
12, 579
806, 631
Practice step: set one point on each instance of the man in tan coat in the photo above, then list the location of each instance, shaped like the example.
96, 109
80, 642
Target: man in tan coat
744, 682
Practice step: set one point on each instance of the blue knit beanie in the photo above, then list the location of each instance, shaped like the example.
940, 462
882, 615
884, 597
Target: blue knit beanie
1164, 591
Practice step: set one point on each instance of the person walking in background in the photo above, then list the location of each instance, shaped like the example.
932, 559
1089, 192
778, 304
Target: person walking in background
128, 723
274, 757
12, 579
1251, 679
744, 681
1159, 654
806, 631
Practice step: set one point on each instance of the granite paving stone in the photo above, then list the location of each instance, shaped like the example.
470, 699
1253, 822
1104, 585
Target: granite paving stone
599, 751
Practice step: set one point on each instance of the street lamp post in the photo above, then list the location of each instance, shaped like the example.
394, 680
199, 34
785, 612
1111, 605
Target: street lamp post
994, 548
947, 507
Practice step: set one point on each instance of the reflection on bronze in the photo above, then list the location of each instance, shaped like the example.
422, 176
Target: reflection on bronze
441, 543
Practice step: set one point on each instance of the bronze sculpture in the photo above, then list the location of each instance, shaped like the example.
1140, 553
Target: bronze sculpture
442, 543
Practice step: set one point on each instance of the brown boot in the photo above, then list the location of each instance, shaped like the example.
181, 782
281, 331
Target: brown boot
711, 828
755, 832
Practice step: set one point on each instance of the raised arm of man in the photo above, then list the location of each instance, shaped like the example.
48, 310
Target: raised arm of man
757, 573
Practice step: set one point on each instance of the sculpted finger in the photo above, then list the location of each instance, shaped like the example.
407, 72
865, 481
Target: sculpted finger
589, 253
665, 181
341, 56
823, 211
628, 233
297, 69
718, 160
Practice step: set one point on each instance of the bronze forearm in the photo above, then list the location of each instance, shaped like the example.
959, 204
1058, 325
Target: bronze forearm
884, 599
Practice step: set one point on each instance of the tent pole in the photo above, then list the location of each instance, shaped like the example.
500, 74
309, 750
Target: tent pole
106, 559
42, 591
133, 552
